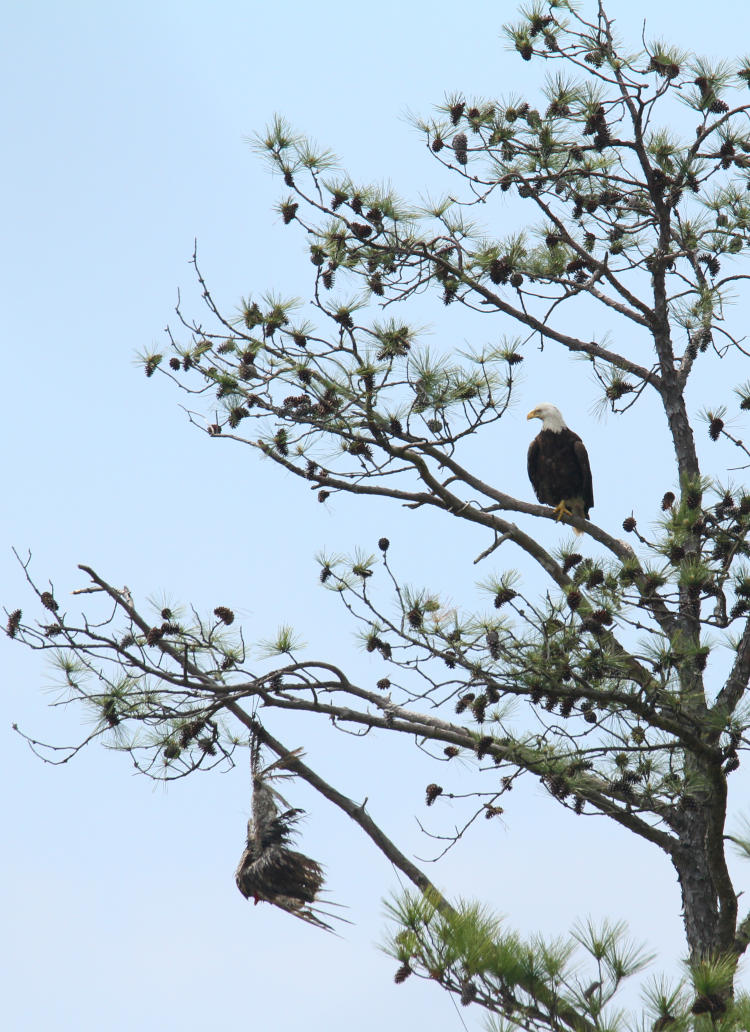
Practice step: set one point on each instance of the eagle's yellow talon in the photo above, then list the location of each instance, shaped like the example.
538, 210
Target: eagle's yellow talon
561, 511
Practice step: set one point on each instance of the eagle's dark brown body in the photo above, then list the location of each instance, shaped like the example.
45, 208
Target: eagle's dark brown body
559, 470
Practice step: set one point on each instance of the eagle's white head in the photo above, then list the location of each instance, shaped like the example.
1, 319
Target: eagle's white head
550, 416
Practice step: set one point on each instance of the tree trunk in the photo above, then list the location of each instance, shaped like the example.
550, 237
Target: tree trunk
708, 898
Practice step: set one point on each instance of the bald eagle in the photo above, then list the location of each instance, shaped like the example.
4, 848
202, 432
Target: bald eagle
558, 465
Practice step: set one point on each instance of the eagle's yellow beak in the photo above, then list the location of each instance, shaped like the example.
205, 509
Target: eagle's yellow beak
533, 414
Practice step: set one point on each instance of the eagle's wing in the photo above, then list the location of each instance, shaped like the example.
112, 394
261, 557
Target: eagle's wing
532, 466
582, 458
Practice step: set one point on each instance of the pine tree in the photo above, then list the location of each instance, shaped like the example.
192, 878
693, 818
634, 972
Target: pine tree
617, 659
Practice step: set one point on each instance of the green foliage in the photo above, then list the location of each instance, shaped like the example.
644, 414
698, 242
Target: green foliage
527, 981
285, 642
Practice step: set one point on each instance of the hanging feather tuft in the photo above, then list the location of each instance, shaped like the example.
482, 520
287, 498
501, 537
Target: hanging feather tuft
269, 871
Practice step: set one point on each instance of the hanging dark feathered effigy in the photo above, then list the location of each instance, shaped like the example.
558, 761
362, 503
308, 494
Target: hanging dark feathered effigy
269, 871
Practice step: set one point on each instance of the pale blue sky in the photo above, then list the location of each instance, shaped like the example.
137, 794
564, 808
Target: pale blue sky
125, 138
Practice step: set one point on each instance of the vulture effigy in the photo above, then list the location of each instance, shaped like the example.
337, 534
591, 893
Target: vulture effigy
269, 871
558, 465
